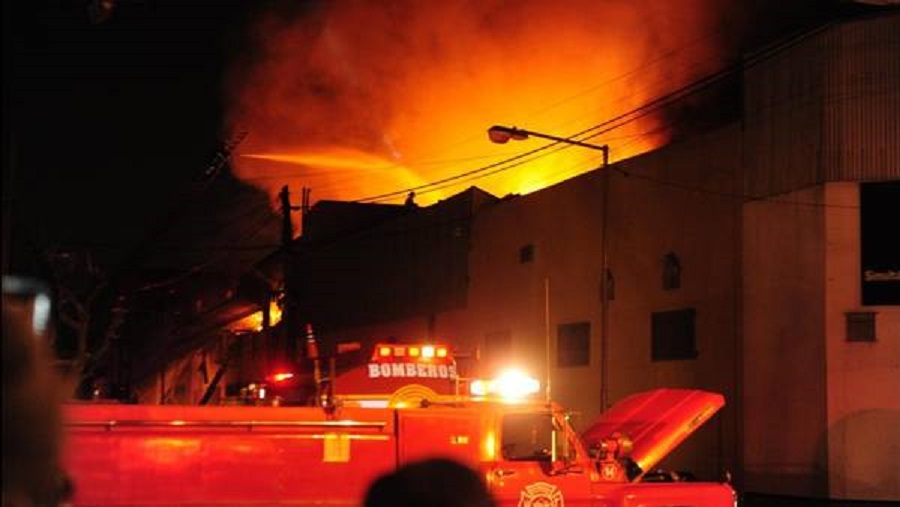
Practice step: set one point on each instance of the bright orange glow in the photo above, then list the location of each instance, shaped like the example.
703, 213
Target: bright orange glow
281, 377
414, 352
356, 100
384, 351
489, 446
399, 351
254, 322
274, 313
515, 385
441, 352
169, 451
334, 158
479, 387
511, 386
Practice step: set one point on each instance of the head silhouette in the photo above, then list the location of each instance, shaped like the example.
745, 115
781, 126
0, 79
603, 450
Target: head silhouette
430, 483
31, 415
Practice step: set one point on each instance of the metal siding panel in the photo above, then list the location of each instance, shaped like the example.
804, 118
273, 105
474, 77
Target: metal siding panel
862, 101
826, 109
782, 120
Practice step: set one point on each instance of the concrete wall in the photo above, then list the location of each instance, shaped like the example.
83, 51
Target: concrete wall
863, 378
770, 278
508, 298
679, 199
822, 415
785, 420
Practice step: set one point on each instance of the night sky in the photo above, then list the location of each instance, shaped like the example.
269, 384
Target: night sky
108, 121
106, 124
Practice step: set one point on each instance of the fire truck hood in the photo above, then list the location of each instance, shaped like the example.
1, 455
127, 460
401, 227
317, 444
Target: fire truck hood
656, 421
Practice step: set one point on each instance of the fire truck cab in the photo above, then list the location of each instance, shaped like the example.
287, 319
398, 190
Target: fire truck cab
528, 453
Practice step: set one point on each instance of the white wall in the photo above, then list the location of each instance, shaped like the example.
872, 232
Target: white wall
863, 378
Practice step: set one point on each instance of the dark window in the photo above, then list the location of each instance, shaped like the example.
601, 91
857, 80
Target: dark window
526, 254
879, 207
574, 344
671, 272
673, 335
527, 437
860, 326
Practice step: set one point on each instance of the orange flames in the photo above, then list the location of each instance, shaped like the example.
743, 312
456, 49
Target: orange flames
362, 98
253, 323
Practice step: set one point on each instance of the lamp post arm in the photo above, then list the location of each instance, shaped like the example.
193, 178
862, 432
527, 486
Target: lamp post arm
564, 140
522, 133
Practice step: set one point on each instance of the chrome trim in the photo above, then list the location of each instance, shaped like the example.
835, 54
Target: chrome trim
175, 423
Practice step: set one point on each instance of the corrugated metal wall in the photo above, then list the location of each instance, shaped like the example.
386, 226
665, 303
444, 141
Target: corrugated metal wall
825, 109
861, 130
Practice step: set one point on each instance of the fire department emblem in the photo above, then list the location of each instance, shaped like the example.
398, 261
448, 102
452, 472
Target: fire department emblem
541, 494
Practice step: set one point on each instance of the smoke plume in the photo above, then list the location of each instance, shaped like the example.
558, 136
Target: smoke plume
356, 99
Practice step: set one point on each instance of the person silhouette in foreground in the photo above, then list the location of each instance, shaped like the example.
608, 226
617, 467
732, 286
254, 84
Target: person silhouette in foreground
430, 483
31, 417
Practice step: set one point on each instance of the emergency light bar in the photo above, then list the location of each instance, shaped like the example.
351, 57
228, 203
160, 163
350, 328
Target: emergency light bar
391, 352
512, 385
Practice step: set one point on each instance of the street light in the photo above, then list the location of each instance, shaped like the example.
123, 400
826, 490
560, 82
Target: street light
500, 135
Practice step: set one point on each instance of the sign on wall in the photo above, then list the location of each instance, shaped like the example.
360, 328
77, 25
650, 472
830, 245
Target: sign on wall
879, 215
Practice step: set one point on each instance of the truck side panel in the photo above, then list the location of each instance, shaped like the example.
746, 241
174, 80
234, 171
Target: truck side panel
437, 432
134, 456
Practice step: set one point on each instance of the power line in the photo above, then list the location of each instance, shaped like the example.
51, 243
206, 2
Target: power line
621, 119
594, 88
727, 195
222, 255
517, 164
591, 89
458, 176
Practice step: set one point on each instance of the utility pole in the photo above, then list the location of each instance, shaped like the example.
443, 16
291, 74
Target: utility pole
304, 208
287, 316
287, 228
605, 279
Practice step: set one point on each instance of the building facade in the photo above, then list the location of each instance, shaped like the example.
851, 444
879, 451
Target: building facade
732, 264
820, 120
756, 259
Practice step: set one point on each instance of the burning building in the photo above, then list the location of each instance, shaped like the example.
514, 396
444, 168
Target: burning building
747, 259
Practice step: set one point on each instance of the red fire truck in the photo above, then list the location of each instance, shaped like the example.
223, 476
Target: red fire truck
528, 453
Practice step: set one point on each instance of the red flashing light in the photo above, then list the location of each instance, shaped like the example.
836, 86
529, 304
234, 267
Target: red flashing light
281, 377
